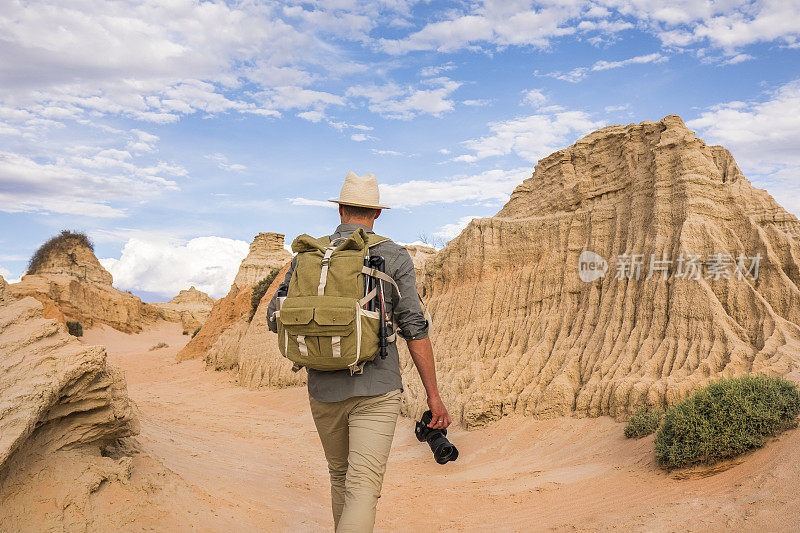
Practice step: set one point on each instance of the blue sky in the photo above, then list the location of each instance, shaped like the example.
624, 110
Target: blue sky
174, 131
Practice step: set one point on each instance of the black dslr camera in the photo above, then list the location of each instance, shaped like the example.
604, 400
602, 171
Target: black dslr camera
443, 450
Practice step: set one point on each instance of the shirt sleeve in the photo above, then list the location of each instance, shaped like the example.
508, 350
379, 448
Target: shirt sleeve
283, 288
407, 310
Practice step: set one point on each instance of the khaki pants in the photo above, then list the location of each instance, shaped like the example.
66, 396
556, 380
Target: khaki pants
356, 435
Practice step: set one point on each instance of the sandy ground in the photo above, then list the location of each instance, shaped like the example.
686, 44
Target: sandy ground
256, 456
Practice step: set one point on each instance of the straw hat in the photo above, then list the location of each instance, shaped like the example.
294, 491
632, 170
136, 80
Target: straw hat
360, 191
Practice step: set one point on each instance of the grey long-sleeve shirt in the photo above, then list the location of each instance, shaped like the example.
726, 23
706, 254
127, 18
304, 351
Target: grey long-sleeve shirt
380, 375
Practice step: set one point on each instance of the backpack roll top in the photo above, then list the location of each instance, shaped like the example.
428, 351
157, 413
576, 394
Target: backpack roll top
322, 323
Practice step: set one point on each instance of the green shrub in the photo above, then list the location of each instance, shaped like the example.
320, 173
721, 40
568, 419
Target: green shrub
643, 423
725, 419
260, 289
75, 329
59, 244
195, 332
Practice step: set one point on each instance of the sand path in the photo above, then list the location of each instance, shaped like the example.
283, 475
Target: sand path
256, 454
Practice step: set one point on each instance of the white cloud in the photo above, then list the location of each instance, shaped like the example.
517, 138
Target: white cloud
6, 274
478, 103
166, 267
80, 181
444, 151
577, 74
638, 60
531, 137
763, 136
306, 201
489, 187
492, 187
738, 58
385, 152
393, 101
222, 163
616, 108
312, 116
436, 70
450, 231
361, 137
534, 97
726, 24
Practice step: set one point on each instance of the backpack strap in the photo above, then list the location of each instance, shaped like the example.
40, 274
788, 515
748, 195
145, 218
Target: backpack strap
323, 274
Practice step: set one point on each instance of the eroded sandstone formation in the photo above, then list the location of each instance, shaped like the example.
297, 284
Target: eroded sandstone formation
517, 331
71, 284
57, 396
190, 307
266, 252
232, 312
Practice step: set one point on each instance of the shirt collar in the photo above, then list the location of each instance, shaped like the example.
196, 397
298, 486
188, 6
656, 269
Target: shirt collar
350, 227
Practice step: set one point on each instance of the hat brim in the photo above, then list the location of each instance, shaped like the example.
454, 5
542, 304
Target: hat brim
360, 205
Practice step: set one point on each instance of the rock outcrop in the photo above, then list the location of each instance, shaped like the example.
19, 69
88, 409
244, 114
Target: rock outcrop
71, 284
266, 252
5, 294
190, 307
56, 395
420, 255
516, 330
232, 312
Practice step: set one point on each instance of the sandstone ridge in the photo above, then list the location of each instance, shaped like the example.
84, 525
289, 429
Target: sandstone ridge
189, 307
266, 252
230, 315
517, 331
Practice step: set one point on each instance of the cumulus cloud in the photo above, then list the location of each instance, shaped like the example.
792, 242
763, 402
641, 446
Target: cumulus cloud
167, 266
89, 181
763, 137
495, 24
489, 187
534, 97
393, 101
531, 137
222, 163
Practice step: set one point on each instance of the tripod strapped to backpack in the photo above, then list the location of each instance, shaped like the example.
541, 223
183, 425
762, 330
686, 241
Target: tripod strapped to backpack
377, 262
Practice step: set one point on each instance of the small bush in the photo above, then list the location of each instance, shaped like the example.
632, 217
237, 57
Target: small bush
184, 333
260, 289
643, 423
75, 329
195, 332
159, 346
58, 244
725, 419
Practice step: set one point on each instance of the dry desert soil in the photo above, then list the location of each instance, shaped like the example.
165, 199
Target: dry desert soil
254, 459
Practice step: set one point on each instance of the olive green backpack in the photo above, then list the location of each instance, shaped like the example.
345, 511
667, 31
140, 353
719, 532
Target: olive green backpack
322, 323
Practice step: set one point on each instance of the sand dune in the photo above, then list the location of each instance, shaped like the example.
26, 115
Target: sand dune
255, 459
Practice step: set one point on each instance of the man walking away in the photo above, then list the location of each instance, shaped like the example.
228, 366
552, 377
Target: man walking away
355, 409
